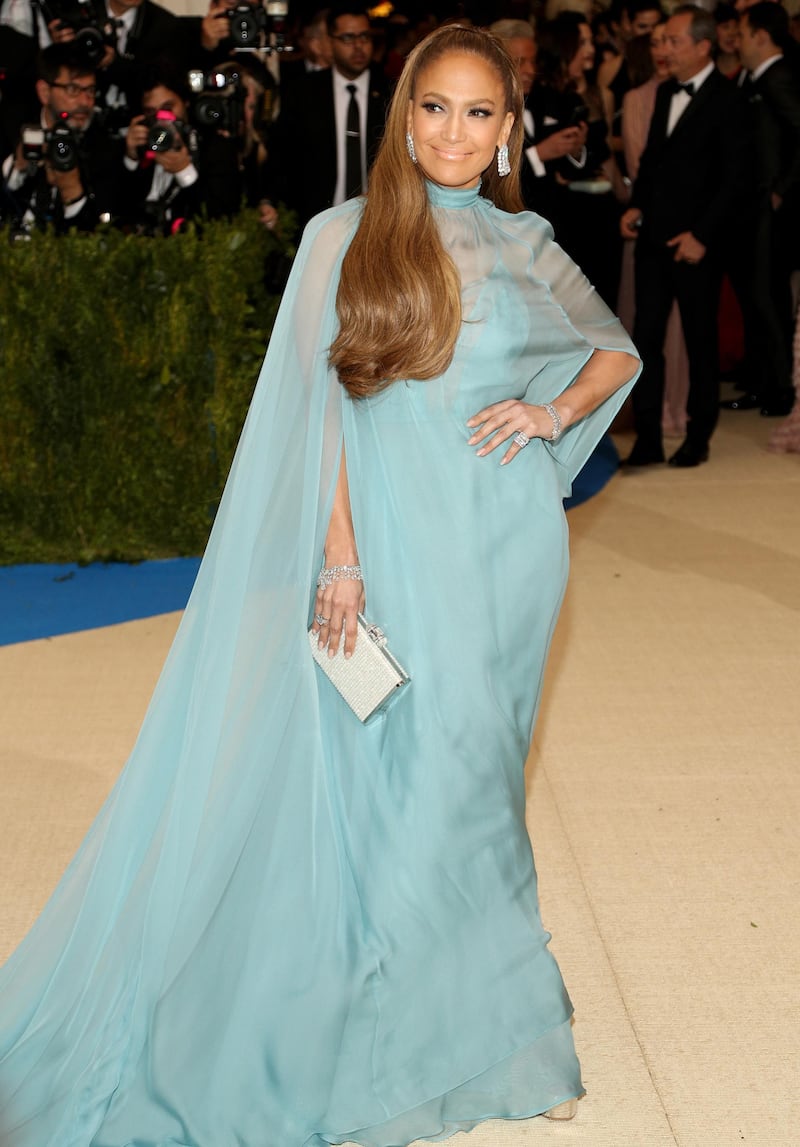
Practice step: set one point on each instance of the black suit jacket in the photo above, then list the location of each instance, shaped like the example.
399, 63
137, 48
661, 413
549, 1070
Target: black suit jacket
553, 111
156, 34
775, 102
303, 152
540, 192
698, 178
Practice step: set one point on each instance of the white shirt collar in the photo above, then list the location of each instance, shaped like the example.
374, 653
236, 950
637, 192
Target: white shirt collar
758, 72
362, 83
699, 78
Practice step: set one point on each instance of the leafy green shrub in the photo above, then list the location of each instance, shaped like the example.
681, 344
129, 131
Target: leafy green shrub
126, 369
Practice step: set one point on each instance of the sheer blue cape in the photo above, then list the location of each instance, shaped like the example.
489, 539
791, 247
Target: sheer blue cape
284, 927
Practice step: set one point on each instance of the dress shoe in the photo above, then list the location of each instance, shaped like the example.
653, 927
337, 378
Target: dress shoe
643, 454
777, 408
746, 401
566, 1110
689, 454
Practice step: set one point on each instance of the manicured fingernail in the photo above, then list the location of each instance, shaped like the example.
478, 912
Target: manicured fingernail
480, 453
348, 655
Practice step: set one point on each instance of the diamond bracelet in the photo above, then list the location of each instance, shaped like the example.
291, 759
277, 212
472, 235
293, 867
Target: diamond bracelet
338, 573
556, 417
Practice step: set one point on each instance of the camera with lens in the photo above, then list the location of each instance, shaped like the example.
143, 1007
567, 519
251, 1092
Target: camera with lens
218, 103
59, 146
165, 133
87, 19
260, 26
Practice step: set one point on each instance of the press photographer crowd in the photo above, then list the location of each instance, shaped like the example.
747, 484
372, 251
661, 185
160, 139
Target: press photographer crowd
662, 143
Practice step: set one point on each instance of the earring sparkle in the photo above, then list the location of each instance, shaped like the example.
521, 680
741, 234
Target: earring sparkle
410, 145
503, 166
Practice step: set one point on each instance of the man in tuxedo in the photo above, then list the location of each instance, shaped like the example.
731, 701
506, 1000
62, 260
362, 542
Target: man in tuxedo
791, 48
773, 93
545, 139
328, 132
76, 192
687, 202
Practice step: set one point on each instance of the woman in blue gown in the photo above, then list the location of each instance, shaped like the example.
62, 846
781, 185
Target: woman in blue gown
285, 927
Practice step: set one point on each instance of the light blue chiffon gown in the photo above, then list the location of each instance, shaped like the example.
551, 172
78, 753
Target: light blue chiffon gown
286, 929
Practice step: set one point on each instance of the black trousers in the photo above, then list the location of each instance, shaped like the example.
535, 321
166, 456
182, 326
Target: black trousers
696, 287
772, 305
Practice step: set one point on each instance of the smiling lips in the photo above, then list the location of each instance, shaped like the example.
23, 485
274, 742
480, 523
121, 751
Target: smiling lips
443, 154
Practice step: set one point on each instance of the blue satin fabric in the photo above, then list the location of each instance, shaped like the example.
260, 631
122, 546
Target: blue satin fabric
284, 927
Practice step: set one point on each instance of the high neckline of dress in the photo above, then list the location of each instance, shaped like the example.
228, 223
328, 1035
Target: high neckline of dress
452, 197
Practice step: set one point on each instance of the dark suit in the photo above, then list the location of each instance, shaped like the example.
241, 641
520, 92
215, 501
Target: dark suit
696, 179
541, 192
156, 35
774, 100
585, 225
304, 149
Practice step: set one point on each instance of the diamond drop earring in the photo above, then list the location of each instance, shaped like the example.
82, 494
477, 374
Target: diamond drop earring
503, 166
410, 145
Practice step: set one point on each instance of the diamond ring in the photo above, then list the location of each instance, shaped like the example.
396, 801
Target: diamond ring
521, 439
320, 620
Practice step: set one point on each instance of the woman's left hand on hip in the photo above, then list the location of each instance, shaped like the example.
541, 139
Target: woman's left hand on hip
511, 419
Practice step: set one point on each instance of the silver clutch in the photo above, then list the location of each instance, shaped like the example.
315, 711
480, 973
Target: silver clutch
368, 680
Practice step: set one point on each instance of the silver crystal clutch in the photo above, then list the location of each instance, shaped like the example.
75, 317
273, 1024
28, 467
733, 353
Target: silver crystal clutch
368, 680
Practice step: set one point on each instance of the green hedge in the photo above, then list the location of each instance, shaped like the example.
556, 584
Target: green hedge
126, 368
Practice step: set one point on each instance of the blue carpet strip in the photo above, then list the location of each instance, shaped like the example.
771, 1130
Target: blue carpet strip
45, 600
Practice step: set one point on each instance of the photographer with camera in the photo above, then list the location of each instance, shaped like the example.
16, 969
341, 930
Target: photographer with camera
123, 38
65, 168
118, 39
172, 169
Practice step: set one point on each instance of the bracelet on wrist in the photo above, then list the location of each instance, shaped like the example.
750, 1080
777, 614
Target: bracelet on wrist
338, 573
556, 418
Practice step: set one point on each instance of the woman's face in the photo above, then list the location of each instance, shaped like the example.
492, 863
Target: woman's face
728, 37
658, 51
457, 116
583, 60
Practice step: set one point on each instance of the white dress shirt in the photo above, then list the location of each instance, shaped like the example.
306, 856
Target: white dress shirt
341, 102
681, 100
19, 15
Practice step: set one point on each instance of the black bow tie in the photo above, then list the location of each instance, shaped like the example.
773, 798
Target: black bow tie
688, 88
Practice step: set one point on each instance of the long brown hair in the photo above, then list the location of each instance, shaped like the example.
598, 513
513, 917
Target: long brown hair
399, 297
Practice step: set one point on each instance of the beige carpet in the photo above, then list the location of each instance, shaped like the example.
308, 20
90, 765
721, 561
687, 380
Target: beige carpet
665, 796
